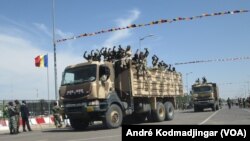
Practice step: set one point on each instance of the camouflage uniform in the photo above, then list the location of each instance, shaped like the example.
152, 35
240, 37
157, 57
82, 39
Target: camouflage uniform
126, 56
17, 108
56, 113
155, 61
12, 118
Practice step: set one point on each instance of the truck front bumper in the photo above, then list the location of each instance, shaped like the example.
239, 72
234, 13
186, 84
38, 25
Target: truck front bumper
204, 104
84, 110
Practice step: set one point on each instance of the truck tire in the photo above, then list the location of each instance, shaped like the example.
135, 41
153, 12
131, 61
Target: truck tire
140, 118
217, 107
214, 108
160, 113
113, 117
196, 109
79, 124
169, 108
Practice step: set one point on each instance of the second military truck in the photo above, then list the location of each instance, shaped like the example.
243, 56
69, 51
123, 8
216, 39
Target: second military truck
205, 95
105, 91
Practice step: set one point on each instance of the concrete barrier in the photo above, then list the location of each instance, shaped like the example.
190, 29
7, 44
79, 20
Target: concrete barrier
34, 122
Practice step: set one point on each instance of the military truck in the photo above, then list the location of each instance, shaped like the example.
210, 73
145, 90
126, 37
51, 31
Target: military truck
104, 91
205, 95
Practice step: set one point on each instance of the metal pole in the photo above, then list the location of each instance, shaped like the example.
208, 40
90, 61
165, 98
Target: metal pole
248, 88
54, 45
187, 81
187, 85
48, 90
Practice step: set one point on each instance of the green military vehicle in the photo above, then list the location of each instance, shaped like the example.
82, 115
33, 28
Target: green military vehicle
104, 91
205, 95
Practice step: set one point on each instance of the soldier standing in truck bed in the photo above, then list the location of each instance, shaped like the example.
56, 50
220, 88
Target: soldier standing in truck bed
88, 58
104, 53
96, 56
142, 64
136, 57
154, 61
125, 57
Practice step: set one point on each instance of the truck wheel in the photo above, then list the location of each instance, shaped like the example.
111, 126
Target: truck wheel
79, 124
113, 117
196, 109
217, 107
139, 118
169, 108
159, 113
213, 108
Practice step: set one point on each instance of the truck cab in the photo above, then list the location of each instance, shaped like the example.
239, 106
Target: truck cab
84, 91
205, 95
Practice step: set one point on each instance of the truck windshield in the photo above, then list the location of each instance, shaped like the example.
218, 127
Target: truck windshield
79, 75
202, 89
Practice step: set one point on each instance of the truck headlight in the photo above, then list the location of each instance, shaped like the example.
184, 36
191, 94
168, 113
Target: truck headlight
94, 103
211, 100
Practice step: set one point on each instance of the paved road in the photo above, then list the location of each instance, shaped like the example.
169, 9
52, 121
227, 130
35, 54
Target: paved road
98, 133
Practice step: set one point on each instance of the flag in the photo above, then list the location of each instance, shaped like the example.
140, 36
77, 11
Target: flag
41, 61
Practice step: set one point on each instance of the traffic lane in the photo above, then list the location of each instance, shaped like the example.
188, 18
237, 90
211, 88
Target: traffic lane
97, 132
94, 133
186, 117
233, 116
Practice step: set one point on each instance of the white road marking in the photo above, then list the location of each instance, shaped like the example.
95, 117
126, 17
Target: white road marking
246, 110
208, 118
103, 137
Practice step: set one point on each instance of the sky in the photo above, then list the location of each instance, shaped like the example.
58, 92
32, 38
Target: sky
26, 31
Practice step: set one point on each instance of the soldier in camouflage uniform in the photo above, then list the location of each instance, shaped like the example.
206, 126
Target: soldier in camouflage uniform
142, 63
87, 57
125, 57
57, 112
17, 107
155, 61
12, 118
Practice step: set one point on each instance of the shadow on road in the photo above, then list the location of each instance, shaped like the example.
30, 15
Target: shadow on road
192, 111
69, 129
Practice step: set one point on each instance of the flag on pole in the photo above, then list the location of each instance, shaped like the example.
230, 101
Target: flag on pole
41, 61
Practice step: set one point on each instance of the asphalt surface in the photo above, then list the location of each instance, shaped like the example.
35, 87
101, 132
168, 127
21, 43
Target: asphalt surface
224, 116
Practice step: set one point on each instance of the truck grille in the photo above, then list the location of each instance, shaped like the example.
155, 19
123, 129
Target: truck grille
75, 95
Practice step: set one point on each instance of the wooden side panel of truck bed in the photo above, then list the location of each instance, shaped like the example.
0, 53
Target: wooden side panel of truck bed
157, 83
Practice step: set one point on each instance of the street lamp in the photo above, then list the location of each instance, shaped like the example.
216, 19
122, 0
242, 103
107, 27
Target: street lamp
187, 80
143, 39
54, 46
187, 99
